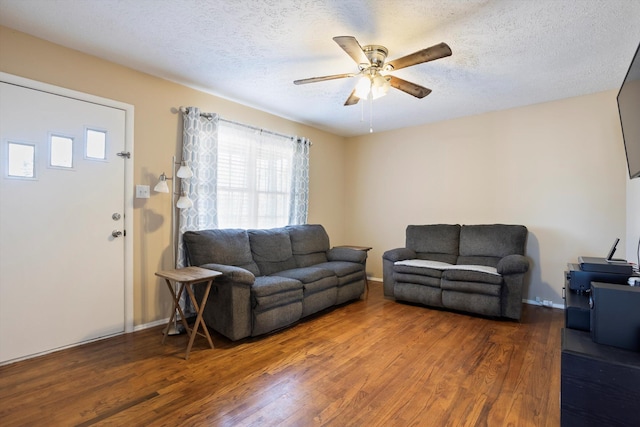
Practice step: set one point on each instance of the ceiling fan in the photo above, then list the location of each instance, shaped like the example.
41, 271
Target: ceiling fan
373, 69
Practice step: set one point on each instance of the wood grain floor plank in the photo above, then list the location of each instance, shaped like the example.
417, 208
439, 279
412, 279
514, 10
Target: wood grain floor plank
373, 362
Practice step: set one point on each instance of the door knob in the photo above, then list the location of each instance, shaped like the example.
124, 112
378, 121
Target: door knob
116, 233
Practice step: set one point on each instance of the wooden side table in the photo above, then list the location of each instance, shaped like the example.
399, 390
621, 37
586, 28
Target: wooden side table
360, 248
187, 277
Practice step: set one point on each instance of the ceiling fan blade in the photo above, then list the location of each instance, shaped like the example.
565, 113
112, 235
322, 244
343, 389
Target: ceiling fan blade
350, 45
425, 55
410, 88
352, 99
323, 78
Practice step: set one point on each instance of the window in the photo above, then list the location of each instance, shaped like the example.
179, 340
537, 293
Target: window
96, 144
254, 173
21, 160
60, 151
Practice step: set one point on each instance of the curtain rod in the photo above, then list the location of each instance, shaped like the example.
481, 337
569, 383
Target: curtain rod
209, 115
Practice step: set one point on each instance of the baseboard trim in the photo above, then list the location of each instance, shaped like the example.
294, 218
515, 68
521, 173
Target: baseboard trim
534, 302
150, 324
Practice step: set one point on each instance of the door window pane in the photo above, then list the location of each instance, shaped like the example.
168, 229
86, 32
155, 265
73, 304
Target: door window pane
96, 144
61, 151
21, 159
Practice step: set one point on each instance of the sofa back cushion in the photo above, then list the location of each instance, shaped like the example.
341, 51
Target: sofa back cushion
438, 242
220, 246
487, 244
310, 243
271, 250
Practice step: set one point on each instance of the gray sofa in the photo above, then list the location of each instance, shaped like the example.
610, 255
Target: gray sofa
472, 268
274, 277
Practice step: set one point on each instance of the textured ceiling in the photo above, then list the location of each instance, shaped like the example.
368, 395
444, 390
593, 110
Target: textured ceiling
506, 53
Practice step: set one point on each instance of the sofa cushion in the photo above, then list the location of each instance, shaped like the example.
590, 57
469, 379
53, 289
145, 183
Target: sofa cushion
309, 243
435, 238
342, 268
220, 246
271, 250
306, 274
495, 240
230, 273
270, 285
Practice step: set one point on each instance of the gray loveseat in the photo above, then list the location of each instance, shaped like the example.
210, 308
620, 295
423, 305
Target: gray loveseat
272, 277
472, 268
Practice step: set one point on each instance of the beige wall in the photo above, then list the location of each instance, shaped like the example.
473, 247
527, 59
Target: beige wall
157, 138
558, 168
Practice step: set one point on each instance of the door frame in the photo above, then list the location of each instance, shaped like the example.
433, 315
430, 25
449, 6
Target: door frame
128, 176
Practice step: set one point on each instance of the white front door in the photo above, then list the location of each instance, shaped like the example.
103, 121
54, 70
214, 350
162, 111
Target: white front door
62, 207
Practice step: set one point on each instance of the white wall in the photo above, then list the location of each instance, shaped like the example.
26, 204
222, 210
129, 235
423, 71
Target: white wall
633, 219
558, 168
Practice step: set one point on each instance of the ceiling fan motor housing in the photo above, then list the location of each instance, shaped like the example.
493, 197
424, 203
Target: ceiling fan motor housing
376, 55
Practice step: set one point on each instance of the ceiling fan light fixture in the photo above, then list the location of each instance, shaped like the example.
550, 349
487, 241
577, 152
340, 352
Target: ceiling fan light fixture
379, 86
363, 87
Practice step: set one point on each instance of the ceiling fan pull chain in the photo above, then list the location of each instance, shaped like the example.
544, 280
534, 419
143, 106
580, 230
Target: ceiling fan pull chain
370, 113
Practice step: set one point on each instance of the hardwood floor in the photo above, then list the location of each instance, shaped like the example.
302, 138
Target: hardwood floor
374, 362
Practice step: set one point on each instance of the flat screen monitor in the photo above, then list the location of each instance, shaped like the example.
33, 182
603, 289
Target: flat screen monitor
629, 109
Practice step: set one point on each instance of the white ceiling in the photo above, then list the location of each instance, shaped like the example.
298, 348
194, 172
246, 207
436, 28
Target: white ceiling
506, 53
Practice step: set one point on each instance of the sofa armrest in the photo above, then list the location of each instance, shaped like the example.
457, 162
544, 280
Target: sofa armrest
399, 254
232, 274
347, 254
513, 264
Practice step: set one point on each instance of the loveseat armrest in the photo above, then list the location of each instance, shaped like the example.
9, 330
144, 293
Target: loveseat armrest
232, 274
399, 254
513, 264
347, 254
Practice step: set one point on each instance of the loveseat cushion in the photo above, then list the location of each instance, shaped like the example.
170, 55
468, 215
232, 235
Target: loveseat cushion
492, 240
440, 239
472, 276
271, 250
309, 243
471, 287
220, 246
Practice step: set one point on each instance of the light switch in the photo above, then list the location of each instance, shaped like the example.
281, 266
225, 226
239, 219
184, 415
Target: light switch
142, 192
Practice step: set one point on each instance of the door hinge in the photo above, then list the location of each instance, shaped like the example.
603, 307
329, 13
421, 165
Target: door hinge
124, 154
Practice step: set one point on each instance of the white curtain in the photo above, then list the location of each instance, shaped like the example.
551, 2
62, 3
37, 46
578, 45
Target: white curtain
200, 151
263, 178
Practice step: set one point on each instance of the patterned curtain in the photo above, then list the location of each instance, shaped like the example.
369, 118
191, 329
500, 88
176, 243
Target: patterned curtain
299, 200
200, 151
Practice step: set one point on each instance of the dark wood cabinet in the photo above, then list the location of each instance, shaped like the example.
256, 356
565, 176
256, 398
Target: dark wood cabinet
600, 384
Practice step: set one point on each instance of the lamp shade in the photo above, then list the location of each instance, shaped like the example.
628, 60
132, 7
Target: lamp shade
184, 202
184, 171
161, 186
363, 87
379, 86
